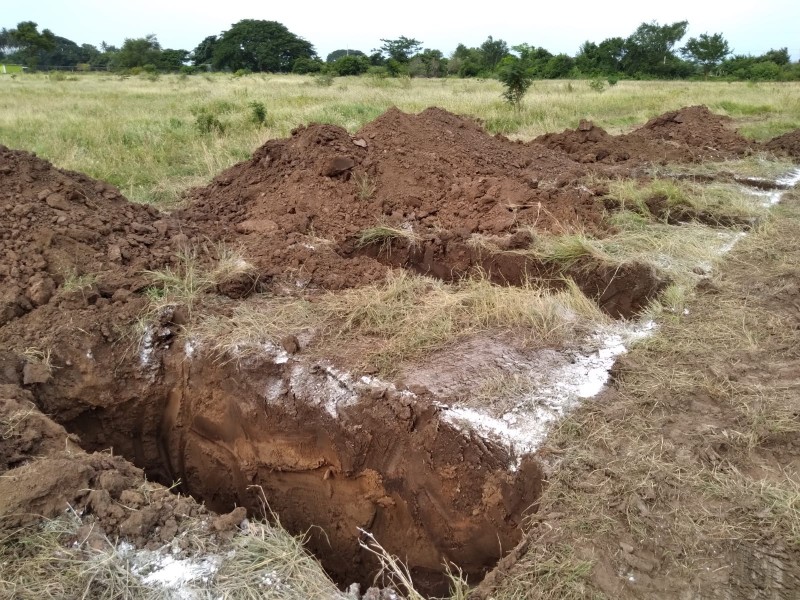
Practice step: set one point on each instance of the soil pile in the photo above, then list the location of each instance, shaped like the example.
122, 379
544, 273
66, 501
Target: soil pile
686, 135
788, 144
298, 200
703, 134
59, 226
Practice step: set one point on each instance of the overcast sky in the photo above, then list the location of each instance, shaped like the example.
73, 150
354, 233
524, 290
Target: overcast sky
560, 26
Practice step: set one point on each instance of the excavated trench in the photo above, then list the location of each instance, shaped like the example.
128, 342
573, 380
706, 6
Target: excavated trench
620, 290
330, 455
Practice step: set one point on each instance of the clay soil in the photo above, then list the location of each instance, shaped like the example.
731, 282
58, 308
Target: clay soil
87, 409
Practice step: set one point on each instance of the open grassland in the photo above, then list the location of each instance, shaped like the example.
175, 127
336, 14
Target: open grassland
155, 137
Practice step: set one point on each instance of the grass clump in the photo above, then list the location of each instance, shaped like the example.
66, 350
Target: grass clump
365, 186
184, 284
384, 236
78, 283
47, 562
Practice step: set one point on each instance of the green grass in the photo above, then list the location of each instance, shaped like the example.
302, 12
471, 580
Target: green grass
141, 135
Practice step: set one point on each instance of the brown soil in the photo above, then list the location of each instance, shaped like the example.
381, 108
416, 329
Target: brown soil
57, 225
690, 134
326, 449
787, 144
299, 201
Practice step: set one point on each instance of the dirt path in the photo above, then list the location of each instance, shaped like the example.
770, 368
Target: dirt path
683, 479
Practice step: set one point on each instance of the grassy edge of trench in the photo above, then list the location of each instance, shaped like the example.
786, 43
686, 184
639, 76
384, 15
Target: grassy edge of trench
677, 482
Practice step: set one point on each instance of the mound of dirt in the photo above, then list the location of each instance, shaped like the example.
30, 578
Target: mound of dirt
298, 199
63, 227
705, 135
686, 135
788, 144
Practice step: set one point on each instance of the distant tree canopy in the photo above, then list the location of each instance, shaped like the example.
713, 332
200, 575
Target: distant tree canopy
337, 54
707, 51
259, 46
401, 49
651, 51
29, 43
204, 53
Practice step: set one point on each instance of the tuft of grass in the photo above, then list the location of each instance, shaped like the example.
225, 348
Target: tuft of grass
42, 562
566, 250
555, 575
37, 565
365, 186
267, 562
184, 284
78, 283
38, 356
384, 235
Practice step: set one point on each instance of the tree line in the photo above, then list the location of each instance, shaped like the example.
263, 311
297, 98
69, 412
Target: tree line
652, 51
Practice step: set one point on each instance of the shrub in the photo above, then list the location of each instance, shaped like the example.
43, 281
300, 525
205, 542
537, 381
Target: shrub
304, 66
350, 65
513, 75
242, 72
207, 122
612, 80
323, 79
597, 85
258, 112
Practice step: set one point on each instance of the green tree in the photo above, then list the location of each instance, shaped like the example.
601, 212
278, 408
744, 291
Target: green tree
401, 49
558, 66
303, 65
428, 63
534, 59
337, 54
649, 49
779, 57
707, 51
350, 65
466, 62
604, 58
29, 42
204, 53
137, 52
260, 46
514, 76
493, 51
171, 60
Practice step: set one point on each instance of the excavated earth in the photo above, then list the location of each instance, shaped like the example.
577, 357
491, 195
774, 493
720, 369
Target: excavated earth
89, 408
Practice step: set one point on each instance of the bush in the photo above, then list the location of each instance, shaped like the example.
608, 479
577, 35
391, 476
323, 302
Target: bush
512, 74
207, 122
597, 85
188, 70
304, 66
242, 72
612, 80
349, 65
323, 79
258, 112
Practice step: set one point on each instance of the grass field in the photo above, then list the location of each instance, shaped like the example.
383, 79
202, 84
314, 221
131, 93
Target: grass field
142, 133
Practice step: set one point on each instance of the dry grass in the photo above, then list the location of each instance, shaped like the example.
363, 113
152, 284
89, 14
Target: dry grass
672, 463
141, 135
384, 236
184, 284
262, 562
759, 164
406, 316
717, 202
